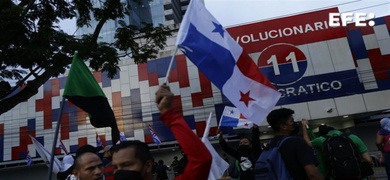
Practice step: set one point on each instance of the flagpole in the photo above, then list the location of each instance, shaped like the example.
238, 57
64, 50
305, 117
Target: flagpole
219, 125
207, 129
50, 173
170, 65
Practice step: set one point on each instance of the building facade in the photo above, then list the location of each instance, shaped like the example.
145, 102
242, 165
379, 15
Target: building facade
166, 12
148, 11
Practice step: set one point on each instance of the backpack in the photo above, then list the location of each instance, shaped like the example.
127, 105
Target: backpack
342, 159
270, 165
234, 169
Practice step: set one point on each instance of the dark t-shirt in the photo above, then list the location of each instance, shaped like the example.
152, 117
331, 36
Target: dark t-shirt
161, 171
174, 165
182, 165
296, 154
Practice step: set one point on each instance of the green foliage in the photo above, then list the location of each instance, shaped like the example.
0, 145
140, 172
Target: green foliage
31, 41
149, 40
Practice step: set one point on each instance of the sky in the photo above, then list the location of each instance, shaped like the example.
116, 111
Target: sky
235, 12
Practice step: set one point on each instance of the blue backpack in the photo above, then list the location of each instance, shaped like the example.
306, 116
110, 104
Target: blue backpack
270, 164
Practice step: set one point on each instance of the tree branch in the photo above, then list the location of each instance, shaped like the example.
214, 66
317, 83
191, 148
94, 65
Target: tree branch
99, 27
29, 6
20, 82
27, 92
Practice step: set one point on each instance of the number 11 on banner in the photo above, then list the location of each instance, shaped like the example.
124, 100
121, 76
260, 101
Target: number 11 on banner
283, 63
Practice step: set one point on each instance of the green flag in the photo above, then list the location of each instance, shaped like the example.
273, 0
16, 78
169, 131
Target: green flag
83, 90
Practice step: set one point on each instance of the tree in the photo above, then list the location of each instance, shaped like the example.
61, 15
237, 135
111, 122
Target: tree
32, 46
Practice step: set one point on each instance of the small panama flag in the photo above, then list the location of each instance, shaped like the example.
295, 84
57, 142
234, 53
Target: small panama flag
62, 146
154, 135
231, 117
28, 159
98, 141
122, 137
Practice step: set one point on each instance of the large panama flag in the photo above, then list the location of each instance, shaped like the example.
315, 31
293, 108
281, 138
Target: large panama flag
82, 90
206, 43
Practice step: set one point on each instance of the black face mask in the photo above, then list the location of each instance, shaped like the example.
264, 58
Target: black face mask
296, 128
126, 175
244, 150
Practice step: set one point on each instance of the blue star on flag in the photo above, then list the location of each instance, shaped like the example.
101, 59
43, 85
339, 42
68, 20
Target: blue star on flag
218, 29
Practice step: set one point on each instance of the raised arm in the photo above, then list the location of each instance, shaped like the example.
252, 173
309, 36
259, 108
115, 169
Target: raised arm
306, 137
199, 158
256, 141
226, 148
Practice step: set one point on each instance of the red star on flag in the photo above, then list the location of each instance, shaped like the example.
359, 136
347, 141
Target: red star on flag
246, 124
246, 98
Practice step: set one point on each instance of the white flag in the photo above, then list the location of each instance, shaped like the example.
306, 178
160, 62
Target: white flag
218, 165
46, 155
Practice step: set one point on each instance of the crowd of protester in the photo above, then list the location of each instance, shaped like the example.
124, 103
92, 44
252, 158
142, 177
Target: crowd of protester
304, 157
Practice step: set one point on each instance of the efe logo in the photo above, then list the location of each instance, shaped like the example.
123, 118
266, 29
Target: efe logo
360, 18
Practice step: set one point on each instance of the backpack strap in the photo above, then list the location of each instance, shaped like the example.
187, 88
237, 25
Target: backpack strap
353, 144
271, 143
281, 141
345, 134
238, 168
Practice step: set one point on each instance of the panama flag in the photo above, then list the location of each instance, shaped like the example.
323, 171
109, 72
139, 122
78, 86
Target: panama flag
122, 137
222, 60
154, 135
28, 159
98, 141
232, 117
62, 146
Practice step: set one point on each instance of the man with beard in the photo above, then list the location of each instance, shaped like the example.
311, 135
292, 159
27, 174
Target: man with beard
246, 154
296, 154
133, 160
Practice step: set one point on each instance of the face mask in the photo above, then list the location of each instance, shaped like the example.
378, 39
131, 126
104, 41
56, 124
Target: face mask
126, 175
296, 129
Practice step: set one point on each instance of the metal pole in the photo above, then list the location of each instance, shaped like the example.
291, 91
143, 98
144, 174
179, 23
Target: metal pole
50, 173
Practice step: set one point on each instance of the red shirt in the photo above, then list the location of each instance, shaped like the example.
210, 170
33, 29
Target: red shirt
108, 173
199, 157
